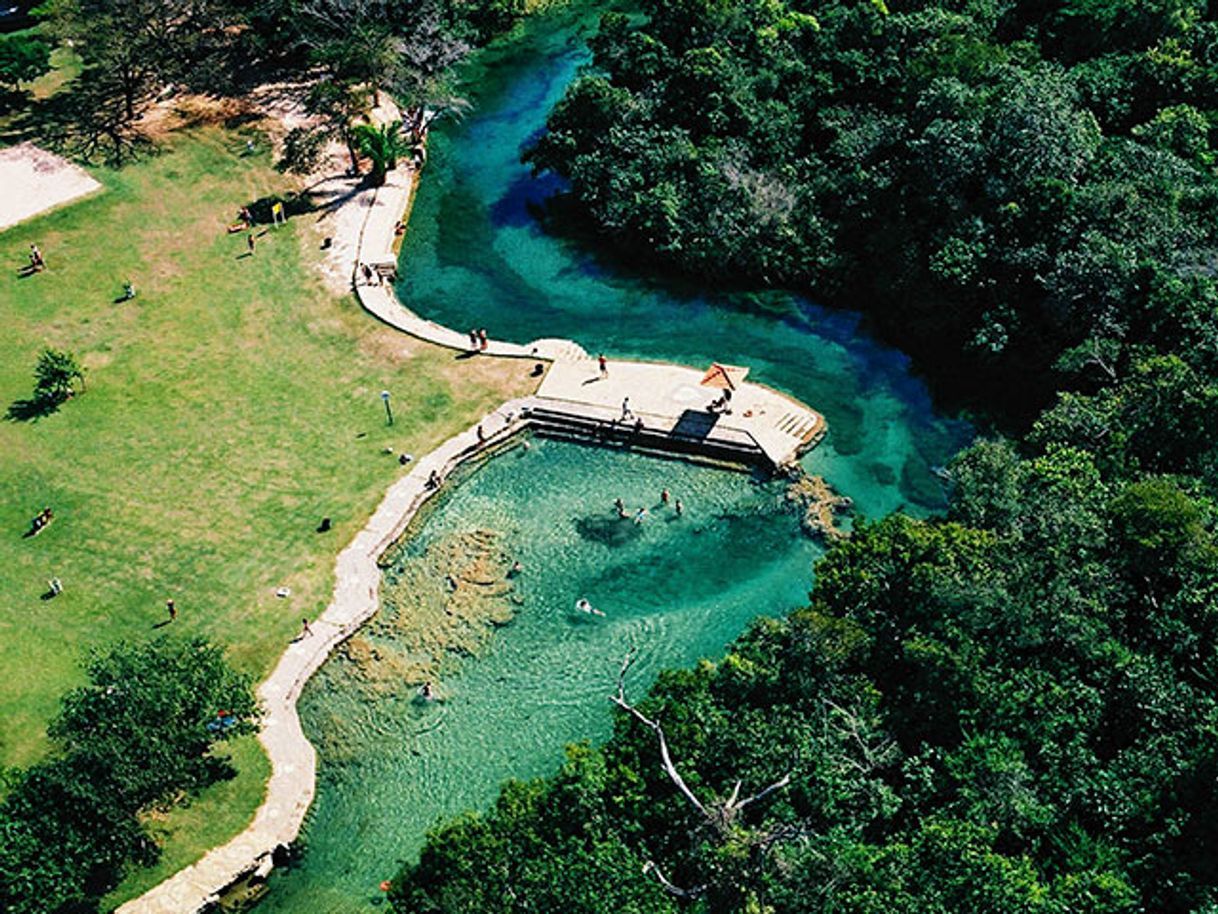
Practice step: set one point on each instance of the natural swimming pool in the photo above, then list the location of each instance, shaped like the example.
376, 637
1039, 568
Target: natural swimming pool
678, 589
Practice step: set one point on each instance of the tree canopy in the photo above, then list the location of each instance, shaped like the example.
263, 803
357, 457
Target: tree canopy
1000, 181
337, 56
139, 734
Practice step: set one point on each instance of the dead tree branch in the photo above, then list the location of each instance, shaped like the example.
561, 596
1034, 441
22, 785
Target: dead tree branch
652, 867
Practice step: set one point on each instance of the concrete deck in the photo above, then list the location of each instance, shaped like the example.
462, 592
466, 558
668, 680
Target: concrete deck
669, 398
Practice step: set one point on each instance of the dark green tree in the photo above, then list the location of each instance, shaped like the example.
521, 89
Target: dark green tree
141, 733
56, 376
22, 58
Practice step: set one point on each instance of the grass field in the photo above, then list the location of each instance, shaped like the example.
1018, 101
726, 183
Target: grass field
230, 406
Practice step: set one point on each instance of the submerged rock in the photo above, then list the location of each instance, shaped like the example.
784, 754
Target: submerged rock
436, 606
818, 506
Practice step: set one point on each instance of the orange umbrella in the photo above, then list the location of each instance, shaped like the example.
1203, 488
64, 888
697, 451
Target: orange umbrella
724, 377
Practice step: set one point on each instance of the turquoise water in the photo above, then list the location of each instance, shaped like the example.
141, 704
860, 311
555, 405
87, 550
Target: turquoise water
475, 256
677, 589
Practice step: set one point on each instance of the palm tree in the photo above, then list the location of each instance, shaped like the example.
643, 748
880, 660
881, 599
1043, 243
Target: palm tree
383, 145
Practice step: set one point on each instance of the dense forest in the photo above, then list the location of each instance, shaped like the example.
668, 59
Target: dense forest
1010, 708
1018, 190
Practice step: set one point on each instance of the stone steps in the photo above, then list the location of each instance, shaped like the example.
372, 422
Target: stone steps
552, 421
559, 350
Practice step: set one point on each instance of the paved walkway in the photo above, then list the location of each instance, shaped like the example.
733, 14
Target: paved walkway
293, 759
385, 208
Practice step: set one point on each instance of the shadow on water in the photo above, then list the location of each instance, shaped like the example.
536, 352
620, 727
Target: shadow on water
611, 531
525, 201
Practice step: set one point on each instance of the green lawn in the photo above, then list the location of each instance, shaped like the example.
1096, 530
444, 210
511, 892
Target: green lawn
229, 407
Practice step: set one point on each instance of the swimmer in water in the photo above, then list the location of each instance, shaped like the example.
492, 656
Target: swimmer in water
664, 496
585, 607
640, 515
516, 569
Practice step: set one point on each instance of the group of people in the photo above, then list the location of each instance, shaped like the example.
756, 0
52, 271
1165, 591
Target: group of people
478, 340
641, 513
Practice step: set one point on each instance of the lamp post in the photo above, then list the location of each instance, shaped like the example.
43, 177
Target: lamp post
388, 411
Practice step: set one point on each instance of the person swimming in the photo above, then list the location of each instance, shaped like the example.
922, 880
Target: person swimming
587, 608
640, 515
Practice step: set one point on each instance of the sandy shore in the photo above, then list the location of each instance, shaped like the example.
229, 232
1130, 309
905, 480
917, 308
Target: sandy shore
33, 180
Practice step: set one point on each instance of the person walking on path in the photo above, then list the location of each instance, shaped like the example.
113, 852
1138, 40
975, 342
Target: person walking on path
483, 340
250, 243
171, 608
305, 631
626, 413
474, 343
604, 366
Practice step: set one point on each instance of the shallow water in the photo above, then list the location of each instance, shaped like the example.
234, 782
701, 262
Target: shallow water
677, 588
474, 256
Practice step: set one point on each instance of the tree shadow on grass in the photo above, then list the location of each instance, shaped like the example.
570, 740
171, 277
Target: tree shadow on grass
30, 410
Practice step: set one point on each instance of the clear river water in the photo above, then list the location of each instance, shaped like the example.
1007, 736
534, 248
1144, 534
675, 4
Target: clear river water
675, 588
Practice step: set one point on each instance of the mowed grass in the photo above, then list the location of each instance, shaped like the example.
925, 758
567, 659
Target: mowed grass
230, 406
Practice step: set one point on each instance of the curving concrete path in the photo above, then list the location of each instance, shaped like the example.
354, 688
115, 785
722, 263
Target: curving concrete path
777, 425
388, 205
293, 759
